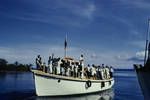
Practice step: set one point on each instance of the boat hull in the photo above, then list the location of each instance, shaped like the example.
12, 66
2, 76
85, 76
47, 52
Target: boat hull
144, 81
54, 85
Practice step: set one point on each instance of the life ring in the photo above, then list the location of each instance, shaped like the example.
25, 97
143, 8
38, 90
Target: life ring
88, 83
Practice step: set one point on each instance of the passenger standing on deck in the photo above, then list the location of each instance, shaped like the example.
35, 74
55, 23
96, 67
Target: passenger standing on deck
63, 69
107, 72
58, 67
68, 68
102, 72
53, 67
76, 69
79, 70
44, 67
98, 72
93, 72
82, 65
50, 65
40, 62
37, 64
88, 71
68, 73
111, 70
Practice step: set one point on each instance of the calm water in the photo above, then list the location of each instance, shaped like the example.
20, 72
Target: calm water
20, 86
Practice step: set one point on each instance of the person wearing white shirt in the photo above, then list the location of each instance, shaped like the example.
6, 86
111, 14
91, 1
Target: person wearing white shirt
68, 72
107, 72
82, 65
102, 73
93, 72
76, 70
58, 68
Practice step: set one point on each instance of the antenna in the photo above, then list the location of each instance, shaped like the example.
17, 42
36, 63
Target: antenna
147, 40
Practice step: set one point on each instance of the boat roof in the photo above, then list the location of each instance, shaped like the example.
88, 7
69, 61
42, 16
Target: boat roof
68, 58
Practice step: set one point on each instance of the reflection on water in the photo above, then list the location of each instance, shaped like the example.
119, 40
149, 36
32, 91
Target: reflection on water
105, 95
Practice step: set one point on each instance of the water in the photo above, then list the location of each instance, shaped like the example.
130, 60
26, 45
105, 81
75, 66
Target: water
20, 86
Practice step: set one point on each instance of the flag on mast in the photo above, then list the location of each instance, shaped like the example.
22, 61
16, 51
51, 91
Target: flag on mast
65, 44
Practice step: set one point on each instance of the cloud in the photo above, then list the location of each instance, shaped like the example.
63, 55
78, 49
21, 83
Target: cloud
138, 57
110, 58
140, 54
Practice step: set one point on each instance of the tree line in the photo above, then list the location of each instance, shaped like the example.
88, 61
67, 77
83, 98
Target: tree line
16, 66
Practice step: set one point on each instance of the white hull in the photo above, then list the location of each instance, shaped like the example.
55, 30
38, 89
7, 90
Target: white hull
55, 85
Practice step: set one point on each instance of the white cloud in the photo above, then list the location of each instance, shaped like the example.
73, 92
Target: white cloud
138, 57
140, 54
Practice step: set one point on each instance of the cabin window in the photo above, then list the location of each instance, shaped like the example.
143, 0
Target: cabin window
103, 84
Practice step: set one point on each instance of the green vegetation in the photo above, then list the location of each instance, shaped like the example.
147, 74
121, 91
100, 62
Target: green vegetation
4, 66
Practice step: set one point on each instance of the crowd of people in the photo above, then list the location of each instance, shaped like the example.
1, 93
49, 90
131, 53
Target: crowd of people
77, 69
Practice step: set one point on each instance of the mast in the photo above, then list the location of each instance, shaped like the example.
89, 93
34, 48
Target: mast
147, 41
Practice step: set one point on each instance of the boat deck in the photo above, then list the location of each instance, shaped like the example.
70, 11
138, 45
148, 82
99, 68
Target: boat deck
41, 73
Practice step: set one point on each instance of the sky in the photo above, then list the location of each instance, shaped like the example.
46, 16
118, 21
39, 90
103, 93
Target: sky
110, 32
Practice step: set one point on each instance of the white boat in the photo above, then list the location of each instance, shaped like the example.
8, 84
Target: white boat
55, 85
47, 84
